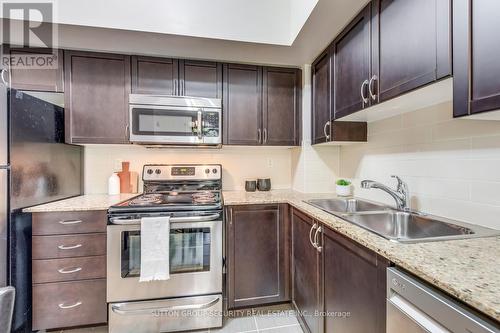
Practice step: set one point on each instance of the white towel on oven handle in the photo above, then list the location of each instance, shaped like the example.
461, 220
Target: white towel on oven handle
155, 248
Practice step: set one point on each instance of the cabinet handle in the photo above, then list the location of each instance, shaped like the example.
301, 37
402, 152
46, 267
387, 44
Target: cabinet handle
200, 125
2, 76
64, 271
365, 99
319, 248
259, 136
265, 135
310, 235
327, 136
67, 222
64, 247
62, 306
370, 87
230, 216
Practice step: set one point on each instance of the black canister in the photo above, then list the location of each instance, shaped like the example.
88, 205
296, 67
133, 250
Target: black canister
250, 185
264, 184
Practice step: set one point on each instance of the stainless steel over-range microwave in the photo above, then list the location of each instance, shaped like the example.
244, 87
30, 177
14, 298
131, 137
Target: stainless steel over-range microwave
175, 120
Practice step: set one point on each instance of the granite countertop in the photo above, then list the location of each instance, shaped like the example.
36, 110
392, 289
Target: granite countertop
467, 269
83, 202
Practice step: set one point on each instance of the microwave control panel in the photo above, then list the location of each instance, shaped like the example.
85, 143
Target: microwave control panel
211, 121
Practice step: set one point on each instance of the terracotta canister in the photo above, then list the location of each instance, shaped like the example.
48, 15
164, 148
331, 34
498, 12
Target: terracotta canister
125, 181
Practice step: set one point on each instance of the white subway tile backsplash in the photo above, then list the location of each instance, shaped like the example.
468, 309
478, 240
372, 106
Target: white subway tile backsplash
452, 166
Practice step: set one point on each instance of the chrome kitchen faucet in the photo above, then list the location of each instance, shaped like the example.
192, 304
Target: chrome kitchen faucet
401, 194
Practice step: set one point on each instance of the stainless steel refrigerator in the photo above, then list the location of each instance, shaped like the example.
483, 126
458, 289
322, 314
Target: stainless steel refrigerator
36, 167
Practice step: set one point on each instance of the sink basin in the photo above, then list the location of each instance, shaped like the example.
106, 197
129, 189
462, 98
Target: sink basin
400, 226
346, 205
408, 227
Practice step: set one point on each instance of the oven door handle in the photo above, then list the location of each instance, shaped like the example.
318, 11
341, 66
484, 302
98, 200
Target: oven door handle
119, 221
121, 308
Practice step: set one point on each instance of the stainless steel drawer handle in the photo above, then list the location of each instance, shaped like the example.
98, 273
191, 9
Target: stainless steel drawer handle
62, 306
70, 222
327, 136
370, 87
121, 308
310, 235
365, 99
64, 247
69, 271
317, 246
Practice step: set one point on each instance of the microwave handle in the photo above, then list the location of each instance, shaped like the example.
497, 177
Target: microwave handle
200, 125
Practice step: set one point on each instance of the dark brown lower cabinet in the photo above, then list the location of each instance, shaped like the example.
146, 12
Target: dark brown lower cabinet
307, 277
338, 285
258, 255
354, 286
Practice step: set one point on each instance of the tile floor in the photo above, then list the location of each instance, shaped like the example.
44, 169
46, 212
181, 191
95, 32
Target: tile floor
276, 319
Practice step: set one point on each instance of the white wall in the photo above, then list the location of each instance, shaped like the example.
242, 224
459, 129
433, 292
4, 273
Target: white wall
314, 168
257, 21
452, 166
239, 163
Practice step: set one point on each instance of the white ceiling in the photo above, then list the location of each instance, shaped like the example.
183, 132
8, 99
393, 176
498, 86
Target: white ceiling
303, 44
275, 22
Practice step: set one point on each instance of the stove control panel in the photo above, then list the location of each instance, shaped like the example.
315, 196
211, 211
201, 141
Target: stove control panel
155, 172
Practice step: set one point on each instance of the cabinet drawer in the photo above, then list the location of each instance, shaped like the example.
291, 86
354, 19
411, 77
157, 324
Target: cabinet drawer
66, 304
61, 223
69, 269
51, 247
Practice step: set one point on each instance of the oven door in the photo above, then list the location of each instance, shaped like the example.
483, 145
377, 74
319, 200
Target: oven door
156, 124
195, 260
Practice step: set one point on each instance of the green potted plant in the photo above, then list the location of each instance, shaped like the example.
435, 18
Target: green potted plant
343, 188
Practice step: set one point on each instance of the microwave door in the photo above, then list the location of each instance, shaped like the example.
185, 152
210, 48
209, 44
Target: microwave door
165, 125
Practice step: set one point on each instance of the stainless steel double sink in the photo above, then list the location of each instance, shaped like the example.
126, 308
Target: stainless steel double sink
400, 226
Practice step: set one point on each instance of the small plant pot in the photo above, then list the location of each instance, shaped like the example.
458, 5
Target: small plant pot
343, 190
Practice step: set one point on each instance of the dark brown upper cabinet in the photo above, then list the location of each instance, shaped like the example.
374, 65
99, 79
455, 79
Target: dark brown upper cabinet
307, 272
261, 105
37, 79
258, 255
97, 86
390, 48
155, 76
476, 83
351, 62
411, 46
282, 88
354, 282
321, 107
200, 78
242, 105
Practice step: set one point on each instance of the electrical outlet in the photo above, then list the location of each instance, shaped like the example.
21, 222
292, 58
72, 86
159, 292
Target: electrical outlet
270, 162
117, 166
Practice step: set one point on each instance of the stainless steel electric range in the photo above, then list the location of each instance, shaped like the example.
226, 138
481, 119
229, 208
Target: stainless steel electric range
192, 298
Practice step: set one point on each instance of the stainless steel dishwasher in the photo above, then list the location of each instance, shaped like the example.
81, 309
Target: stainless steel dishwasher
414, 307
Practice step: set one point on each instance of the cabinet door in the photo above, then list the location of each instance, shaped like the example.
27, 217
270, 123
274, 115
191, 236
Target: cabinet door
242, 105
200, 79
155, 76
354, 283
37, 79
281, 106
257, 255
476, 79
321, 94
307, 279
351, 65
97, 86
412, 47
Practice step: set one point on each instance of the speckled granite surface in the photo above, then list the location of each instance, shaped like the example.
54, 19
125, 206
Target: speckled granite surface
467, 269
83, 202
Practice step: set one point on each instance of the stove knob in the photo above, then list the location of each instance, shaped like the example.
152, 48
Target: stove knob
214, 170
150, 171
207, 171
157, 171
